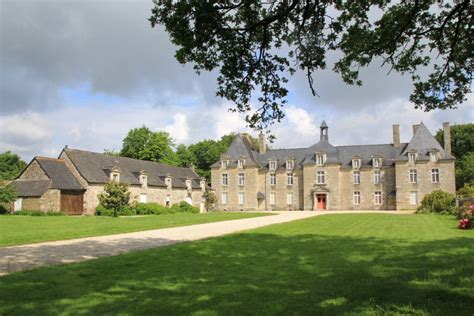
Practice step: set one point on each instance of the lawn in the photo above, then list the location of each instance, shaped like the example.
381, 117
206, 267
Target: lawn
17, 230
334, 264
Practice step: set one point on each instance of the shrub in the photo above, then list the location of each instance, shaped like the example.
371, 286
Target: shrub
467, 191
188, 208
210, 199
101, 210
150, 208
174, 209
439, 202
466, 211
465, 224
39, 213
115, 197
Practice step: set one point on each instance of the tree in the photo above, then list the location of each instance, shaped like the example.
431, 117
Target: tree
256, 44
209, 199
142, 143
462, 147
184, 156
115, 196
10, 165
8, 194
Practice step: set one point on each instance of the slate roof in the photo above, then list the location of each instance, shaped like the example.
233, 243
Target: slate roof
422, 142
95, 168
33, 188
60, 175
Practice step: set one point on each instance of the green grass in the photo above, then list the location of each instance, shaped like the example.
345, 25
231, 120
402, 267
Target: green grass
334, 264
17, 230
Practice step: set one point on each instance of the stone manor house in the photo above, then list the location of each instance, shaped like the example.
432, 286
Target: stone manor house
392, 176
72, 182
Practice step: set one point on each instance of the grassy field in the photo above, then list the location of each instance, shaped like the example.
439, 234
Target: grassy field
334, 264
17, 230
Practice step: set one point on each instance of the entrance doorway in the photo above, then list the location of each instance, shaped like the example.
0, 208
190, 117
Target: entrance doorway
320, 201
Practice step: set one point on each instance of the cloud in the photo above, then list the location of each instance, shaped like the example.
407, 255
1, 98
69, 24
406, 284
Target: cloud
300, 121
179, 130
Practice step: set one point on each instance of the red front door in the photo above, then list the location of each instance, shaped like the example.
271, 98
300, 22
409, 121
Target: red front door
321, 201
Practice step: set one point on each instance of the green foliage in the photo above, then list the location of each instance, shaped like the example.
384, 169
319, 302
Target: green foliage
184, 156
188, 208
439, 202
39, 213
7, 193
115, 197
10, 165
151, 209
142, 143
462, 147
255, 45
467, 191
209, 199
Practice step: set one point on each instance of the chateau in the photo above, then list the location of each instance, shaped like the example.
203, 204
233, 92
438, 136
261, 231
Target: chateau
392, 176
71, 182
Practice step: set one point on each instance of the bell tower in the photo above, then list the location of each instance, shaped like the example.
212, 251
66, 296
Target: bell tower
324, 131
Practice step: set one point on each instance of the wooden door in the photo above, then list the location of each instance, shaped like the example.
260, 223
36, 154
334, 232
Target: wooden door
321, 201
72, 202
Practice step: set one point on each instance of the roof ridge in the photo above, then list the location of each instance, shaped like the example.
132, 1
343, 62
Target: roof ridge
49, 158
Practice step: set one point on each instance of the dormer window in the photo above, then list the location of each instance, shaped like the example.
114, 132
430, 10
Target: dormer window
433, 156
143, 180
168, 182
377, 162
202, 184
115, 177
224, 164
240, 163
412, 157
320, 159
272, 165
356, 163
290, 164
188, 184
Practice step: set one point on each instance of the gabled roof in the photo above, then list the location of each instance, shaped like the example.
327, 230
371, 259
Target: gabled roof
387, 152
60, 175
95, 168
31, 188
423, 142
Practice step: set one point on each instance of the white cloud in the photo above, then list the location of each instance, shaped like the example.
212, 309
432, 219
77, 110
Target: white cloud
179, 130
300, 121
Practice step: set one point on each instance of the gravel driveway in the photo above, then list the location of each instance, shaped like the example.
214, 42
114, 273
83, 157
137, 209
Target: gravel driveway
17, 258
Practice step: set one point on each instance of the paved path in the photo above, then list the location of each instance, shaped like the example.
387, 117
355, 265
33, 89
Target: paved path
17, 258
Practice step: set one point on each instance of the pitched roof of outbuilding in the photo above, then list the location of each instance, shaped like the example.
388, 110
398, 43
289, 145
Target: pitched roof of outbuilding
95, 168
31, 188
60, 175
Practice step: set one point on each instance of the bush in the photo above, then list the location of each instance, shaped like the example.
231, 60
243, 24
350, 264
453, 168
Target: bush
188, 208
467, 191
115, 197
438, 202
101, 210
465, 224
39, 213
174, 209
150, 208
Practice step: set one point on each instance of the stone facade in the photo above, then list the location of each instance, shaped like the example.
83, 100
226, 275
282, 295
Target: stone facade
327, 177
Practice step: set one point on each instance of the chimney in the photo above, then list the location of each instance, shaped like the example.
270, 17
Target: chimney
415, 128
447, 138
262, 143
396, 136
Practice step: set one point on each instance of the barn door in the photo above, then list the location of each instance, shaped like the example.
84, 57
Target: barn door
72, 202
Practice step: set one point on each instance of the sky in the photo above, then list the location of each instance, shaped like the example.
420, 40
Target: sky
83, 73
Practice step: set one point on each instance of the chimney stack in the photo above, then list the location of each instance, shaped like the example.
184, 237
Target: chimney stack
396, 136
447, 138
262, 143
415, 128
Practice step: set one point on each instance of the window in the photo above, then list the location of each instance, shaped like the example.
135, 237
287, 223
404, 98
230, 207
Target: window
435, 175
377, 177
320, 177
319, 159
168, 182
224, 198
143, 180
433, 157
356, 163
413, 176
272, 198
289, 178
240, 163
225, 179
356, 198
289, 164
273, 165
188, 184
224, 164
241, 198
241, 179
412, 157
376, 162
356, 177
168, 200
378, 197
289, 198
273, 179
142, 197
413, 198
115, 177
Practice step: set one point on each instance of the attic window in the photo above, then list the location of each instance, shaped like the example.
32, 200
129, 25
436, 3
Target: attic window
412, 157
115, 177
377, 162
272, 165
240, 163
433, 156
289, 164
188, 184
356, 163
225, 164
320, 159
168, 182
144, 180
